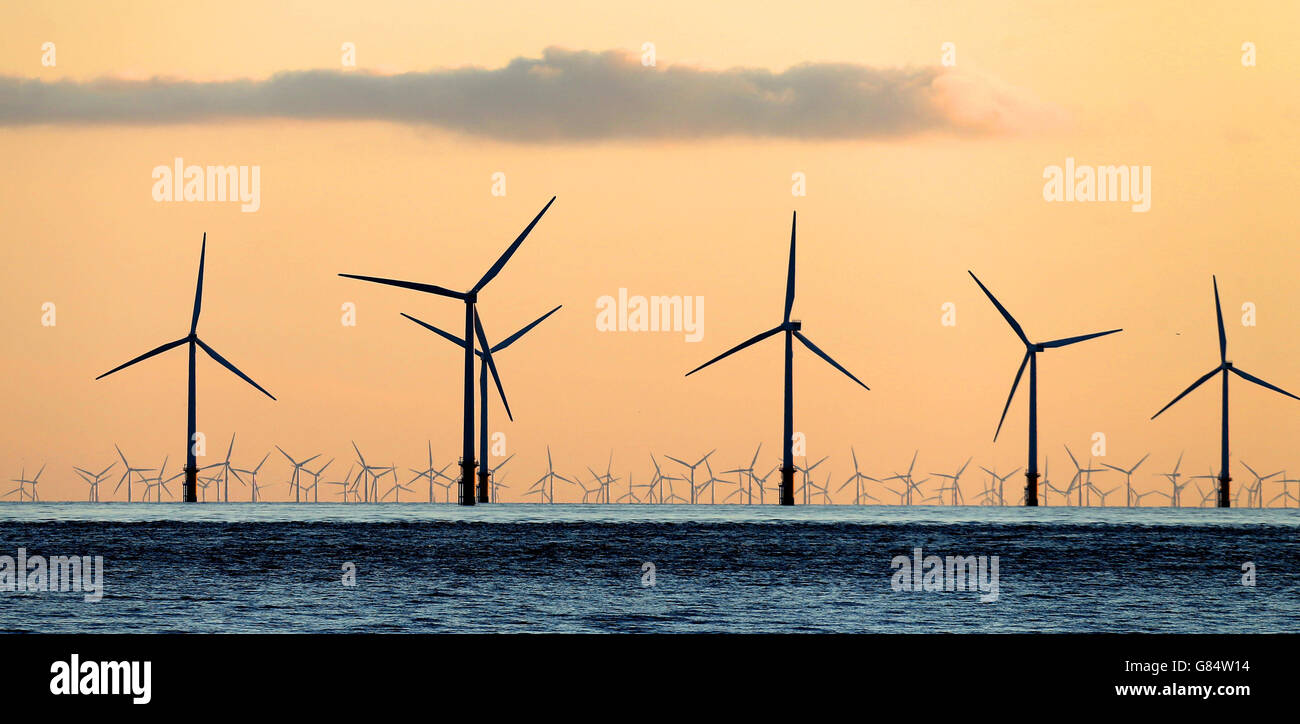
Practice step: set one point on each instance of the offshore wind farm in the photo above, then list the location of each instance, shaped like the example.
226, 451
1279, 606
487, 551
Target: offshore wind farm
686, 318
476, 481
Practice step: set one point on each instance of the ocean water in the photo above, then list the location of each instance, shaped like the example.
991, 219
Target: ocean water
280, 567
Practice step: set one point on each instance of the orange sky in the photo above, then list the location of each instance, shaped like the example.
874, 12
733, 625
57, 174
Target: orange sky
887, 231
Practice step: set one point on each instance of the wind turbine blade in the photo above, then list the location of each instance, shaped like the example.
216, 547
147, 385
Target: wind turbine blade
1014, 384
496, 268
1218, 313
417, 286
1261, 383
1195, 384
817, 351
752, 340
512, 338
1080, 338
492, 365
1005, 314
445, 335
789, 280
198, 290
145, 356
225, 363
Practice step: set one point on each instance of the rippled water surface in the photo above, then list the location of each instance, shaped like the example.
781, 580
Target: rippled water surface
440, 568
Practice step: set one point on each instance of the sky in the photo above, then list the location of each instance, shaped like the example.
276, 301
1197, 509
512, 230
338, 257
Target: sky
671, 179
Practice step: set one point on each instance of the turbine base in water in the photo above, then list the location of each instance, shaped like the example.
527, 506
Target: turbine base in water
1031, 490
787, 486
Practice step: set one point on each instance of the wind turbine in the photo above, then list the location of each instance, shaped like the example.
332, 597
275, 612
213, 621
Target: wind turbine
22, 481
906, 478
1000, 490
545, 485
498, 483
806, 472
295, 478
748, 472
473, 330
691, 480
957, 498
396, 490
630, 496
1176, 493
791, 329
1286, 492
368, 476
126, 475
656, 484
1128, 478
1031, 358
483, 472
1256, 492
345, 485
856, 479
823, 489
253, 487
159, 484
1225, 367
709, 483
1082, 476
94, 479
194, 343
224, 486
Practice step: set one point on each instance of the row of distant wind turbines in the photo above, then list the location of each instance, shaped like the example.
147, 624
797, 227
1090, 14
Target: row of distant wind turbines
791, 330
362, 483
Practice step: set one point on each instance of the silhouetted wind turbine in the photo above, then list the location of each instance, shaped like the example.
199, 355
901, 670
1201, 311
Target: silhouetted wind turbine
22, 481
856, 479
1128, 478
1176, 492
692, 468
791, 328
473, 330
94, 479
957, 498
1256, 492
1225, 366
253, 487
126, 475
193, 341
295, 478
1031, 358
483, 472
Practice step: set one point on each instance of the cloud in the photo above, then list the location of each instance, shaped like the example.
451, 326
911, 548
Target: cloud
563, 96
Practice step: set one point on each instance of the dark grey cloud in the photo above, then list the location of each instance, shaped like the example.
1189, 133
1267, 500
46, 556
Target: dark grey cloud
562, 96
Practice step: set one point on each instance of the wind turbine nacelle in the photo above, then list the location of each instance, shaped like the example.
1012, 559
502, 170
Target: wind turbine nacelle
796, 325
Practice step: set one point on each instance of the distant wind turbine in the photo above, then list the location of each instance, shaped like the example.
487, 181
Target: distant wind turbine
94, 479
1031, 358
483, 465
791, 329
193, 341
1128, 478
1225, 366
473, 330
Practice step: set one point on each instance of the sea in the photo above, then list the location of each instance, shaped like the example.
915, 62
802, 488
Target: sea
437, 568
